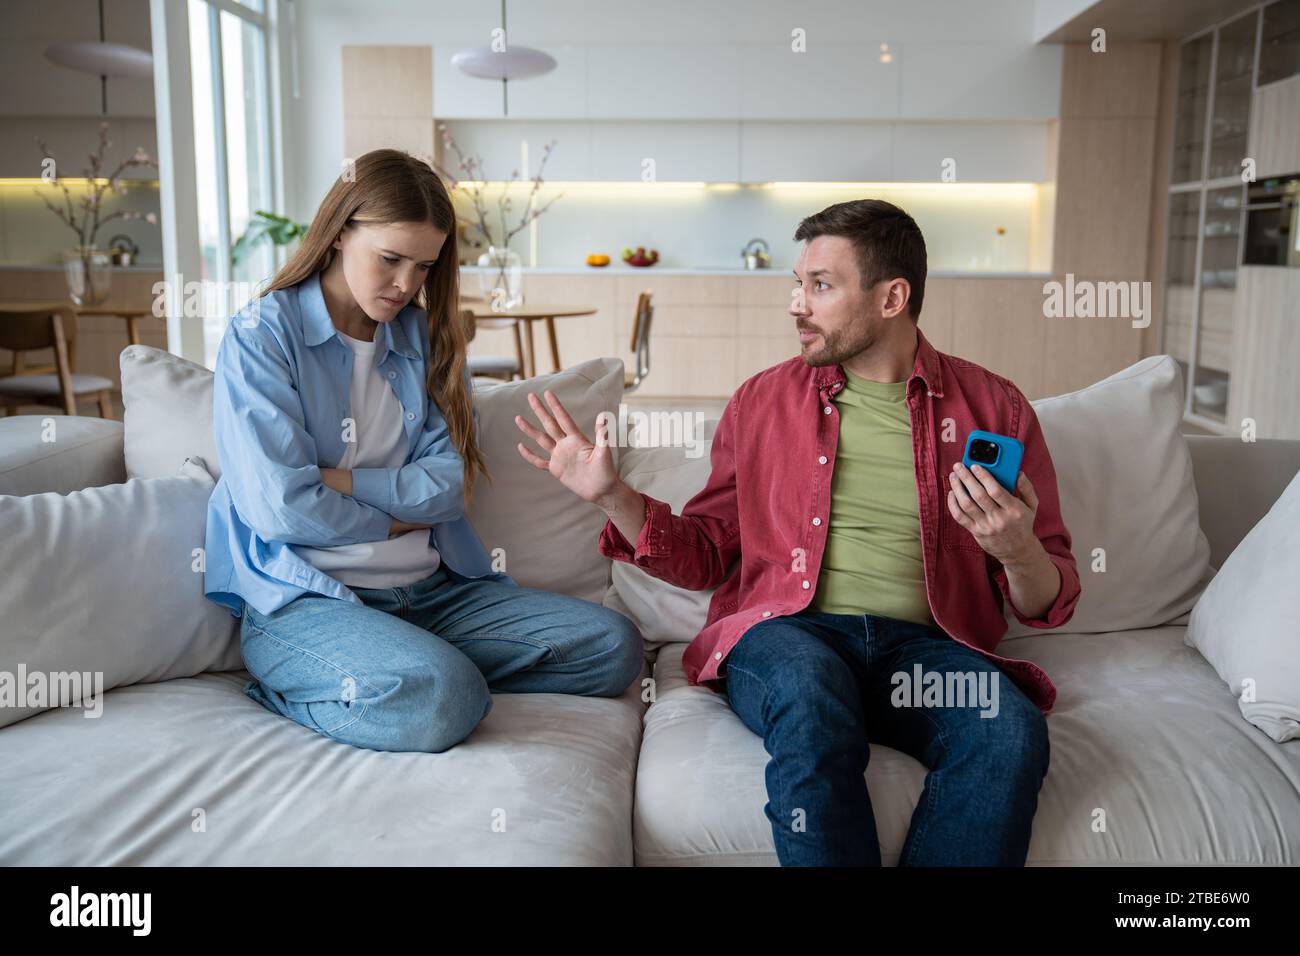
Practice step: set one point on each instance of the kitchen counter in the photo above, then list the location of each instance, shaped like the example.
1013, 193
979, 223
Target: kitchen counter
52, 267
591, 270
721, 271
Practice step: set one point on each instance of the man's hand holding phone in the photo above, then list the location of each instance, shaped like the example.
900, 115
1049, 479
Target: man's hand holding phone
1002, 524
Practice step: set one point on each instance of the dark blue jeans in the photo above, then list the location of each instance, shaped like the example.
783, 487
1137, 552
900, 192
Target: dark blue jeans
818, 687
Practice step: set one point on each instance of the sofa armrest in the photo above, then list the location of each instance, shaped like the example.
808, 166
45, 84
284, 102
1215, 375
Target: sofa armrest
1237, 483
59, 453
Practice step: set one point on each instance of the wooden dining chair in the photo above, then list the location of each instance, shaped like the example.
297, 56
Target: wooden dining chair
493, 366
640, 343
55, 327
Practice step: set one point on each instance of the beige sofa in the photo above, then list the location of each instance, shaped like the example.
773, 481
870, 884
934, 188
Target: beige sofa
188, 770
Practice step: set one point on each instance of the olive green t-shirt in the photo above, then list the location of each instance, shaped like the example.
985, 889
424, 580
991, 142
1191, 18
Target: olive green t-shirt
873, 563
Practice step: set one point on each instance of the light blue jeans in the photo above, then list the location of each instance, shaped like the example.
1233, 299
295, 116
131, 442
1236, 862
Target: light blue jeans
414, 668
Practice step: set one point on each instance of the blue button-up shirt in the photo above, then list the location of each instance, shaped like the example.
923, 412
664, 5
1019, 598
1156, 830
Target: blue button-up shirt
280, 396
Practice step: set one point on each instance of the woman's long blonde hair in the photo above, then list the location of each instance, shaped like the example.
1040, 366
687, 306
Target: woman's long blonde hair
390, 186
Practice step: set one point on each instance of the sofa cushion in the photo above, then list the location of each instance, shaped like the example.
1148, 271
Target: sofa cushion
542, 535
58, 453
1247, 623
1137, 717
1128, 496
167, 411
106, 581
663, 613
545, 534
192, 772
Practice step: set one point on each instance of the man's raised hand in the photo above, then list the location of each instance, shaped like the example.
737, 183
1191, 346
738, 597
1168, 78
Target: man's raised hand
584, 467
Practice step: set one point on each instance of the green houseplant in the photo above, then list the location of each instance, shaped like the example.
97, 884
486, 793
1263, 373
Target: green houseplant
266, 227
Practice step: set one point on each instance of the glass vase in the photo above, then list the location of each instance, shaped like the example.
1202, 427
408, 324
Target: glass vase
89, 273
501, 278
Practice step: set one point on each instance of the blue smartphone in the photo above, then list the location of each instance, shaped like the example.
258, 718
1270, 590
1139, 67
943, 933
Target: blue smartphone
1000, 454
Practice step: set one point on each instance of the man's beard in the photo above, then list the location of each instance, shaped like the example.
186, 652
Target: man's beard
840, 345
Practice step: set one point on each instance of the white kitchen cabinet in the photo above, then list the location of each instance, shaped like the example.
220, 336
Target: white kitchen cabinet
682, 152
499, 143
663, 81
828, 81
560, 94
767, 81
806, 152
982, 152
457, 95
971, 81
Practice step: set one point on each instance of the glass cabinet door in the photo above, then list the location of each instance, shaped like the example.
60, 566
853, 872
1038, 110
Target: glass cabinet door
1221, 249
1279, 51
1180, 277
1234, 72
1191, 107
1206, 204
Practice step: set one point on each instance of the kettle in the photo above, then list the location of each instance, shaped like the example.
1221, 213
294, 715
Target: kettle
122, 250
756, 258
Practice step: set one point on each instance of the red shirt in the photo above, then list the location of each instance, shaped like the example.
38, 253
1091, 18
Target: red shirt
769, 495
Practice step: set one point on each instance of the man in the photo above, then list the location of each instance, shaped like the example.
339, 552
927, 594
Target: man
870, 561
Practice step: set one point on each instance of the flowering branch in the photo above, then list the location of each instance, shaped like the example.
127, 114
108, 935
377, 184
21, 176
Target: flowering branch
88, 223
471, 167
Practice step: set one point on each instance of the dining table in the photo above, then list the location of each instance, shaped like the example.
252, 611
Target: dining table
529, 314
132, 312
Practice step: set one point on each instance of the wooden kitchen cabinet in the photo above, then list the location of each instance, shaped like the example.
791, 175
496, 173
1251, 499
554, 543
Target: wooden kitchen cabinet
711, 332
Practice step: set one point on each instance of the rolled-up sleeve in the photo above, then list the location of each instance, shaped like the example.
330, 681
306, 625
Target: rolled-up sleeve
696, 549
1049, 526
268, 459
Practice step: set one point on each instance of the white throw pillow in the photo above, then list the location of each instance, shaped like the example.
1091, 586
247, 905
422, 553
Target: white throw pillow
1247, 623
167, 412
104, 581
663, 613
547, 535
1124, 473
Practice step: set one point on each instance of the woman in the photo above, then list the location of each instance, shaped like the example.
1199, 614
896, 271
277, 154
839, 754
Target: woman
345, 429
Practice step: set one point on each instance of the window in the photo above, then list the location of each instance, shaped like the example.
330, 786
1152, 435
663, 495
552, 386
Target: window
230, 71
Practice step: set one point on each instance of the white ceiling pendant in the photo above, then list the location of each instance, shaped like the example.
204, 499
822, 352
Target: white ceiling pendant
512, 63
103, 59
499, 61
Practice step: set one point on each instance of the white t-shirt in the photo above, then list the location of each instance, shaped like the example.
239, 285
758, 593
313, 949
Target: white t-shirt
380, 443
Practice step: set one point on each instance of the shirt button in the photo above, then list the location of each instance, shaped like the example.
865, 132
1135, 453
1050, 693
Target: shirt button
767, 614
821, 460
717, 655
827, 410
392, 375
806, 585
410, 416
817, 520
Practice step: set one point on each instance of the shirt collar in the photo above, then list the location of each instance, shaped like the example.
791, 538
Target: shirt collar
318, 327
926, 368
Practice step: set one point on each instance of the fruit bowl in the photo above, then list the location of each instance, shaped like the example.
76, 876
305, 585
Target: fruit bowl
640, 258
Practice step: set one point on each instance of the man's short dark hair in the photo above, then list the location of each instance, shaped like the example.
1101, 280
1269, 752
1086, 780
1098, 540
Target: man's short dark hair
888, 241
